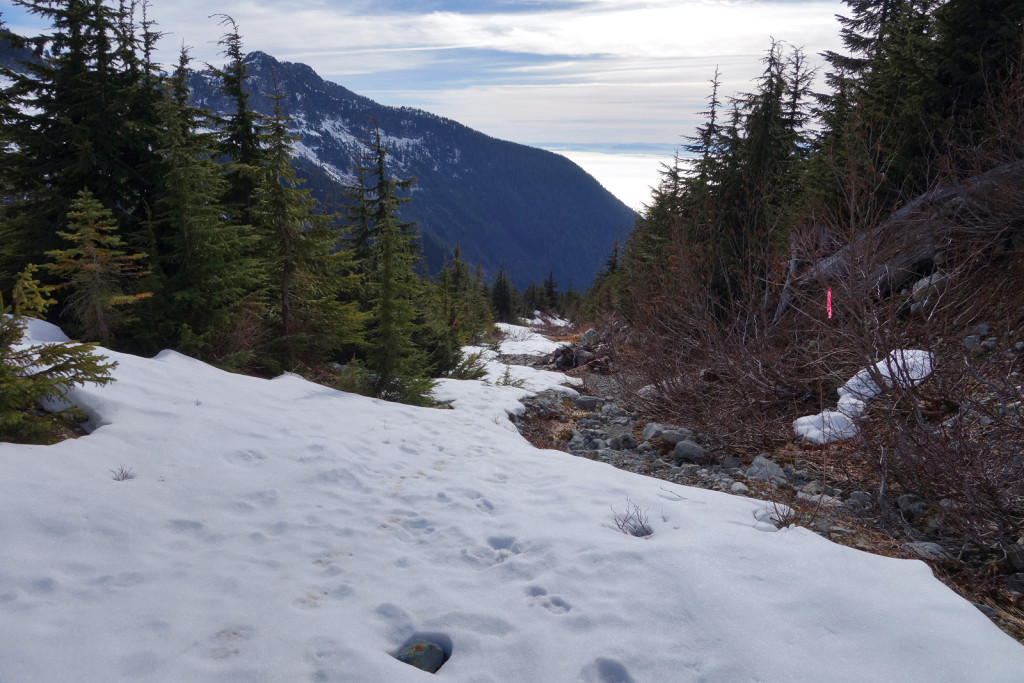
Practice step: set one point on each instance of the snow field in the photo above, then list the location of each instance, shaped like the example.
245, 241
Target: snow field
281, 531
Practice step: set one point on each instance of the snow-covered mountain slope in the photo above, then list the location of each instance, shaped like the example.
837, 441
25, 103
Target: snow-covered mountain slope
281, 531
504, 204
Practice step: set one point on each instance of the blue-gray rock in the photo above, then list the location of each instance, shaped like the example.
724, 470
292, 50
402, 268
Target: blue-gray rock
422, 654
689, 451
1015, 584
763, 468
862, 497
739, 487
1015, 556
927, 550
972, 342
934, 284
676, 434
590, 338
622, 442
654, 430
730, 462
985, 609
588, 402
911, 506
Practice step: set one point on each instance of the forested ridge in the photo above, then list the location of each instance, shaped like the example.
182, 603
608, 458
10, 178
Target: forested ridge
139, 221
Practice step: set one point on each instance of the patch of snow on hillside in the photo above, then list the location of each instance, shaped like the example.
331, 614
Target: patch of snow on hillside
277, 530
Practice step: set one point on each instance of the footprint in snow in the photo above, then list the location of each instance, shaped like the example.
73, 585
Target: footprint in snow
552, 603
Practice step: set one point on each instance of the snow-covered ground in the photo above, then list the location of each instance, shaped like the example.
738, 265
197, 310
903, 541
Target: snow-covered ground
281, 531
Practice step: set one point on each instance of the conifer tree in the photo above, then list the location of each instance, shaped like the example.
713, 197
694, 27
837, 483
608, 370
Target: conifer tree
202, 264
504, 298
398, 367
74, 120
35, 373
550, 292
95, 269
302, 254
241, 131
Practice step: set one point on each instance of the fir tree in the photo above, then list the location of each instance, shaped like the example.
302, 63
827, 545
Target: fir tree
30, 375
95, 269
203, 265
397, 366
303, 263
78, 118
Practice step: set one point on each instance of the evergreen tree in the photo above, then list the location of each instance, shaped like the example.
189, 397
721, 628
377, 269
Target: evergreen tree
303, 265
32, 374
550, 292
503, 298
95, 269
398, 367
241, 131
75, 119
202, 265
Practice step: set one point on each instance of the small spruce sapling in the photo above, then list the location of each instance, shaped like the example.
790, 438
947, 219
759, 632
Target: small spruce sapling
32, 374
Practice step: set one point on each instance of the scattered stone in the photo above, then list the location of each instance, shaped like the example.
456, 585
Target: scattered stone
1015, 584
677, 434
911, 507
1015, 556
423, 655
927, 550
862, 497
689, 451
730, 462
933, 285
819, 499
622, 442
590, 338
972, 342
985, 609
653, 430
763, 468
588, 402
739, 487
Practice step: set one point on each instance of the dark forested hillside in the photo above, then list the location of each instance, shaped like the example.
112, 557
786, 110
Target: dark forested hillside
504, 204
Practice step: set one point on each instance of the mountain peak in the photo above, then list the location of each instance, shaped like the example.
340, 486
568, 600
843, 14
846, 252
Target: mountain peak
505, 204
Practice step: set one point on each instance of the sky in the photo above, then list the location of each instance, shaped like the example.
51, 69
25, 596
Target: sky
614, 85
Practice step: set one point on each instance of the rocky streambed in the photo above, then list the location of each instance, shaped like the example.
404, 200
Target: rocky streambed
795, 489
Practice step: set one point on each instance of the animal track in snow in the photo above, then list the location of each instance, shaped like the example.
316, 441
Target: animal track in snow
552, 603
498, 550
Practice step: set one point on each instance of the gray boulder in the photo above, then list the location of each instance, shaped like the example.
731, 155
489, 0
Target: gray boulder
677, 434
622, 442
765, 469
933, 285
588, 402
422, 654
590, 338
927, 550
689, 452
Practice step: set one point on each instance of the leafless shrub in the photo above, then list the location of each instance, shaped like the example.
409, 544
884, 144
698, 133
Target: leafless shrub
122, 473
633, 521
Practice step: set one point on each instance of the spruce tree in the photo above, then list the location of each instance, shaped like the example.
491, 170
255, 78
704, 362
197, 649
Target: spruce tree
203, 265
241, 131
75, 119
95, 269
301, 251
32, 374
397, 366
